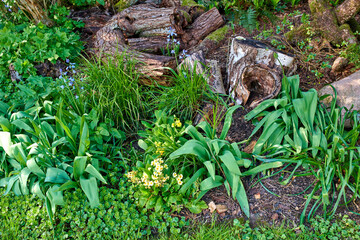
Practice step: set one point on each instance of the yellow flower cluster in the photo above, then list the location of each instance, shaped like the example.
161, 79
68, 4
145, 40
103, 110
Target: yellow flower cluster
177, 123
157, 178
159, 149
178, 178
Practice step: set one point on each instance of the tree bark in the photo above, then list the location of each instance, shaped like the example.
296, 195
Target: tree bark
202, 26
252, 68
347, 10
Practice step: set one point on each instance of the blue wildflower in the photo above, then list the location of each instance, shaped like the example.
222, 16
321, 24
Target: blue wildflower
67, 60
62, 86
172, 51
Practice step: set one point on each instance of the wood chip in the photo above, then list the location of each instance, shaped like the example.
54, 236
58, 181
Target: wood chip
257, 196
221, 208
275, 216
212, 206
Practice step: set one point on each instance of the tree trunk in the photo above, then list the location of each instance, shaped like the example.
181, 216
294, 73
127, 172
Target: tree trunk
347, 10
254, 71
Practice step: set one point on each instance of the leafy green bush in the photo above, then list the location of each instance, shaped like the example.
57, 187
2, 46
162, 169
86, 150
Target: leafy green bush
163, 184
221, 159
297, 128
47, 150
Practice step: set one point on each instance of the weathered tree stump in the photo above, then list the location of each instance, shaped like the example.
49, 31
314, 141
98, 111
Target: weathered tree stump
253, 71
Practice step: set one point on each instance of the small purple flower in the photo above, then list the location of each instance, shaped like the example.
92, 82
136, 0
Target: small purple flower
172, 32
67, 60
62, 86
71, 79
168, 40
70, 83
74, 71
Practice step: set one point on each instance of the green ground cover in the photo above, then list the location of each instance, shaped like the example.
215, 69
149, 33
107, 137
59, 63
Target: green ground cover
69, 168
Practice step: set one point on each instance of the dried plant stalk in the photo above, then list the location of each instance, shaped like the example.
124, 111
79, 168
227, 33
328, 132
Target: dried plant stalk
35, 9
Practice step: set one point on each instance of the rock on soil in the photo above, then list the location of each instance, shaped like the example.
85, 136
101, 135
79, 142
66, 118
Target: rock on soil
348, 92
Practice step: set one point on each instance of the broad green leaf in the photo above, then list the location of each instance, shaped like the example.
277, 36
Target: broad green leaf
5, 143
197, 175
79, 166
90, 188
36, 189
48, 129
211, 168
159, 204
22, 125
11, 183
209, 183
260, 108
192, 147
34, 168
193, 132
18, 153
56, 175
23, 138
264, 137
209, 131
228, 120
262, 167
55, 197
84, 137
242, 199
232, 179
142, 144
196, 207
95, 173
23, 177
5, 124
68, 185
246, 163
305, 108
229, 161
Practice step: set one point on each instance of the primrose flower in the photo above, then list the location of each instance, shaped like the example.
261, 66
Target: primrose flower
180, 176
174, 175
151, 183
180, 182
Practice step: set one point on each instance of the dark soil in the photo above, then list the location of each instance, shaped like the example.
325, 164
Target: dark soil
285, 202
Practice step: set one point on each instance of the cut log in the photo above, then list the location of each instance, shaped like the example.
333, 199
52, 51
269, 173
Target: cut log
203, 26
347, 10
253, 71
148, 45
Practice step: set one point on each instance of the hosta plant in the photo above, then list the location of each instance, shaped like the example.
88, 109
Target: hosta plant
47, 149
222, 161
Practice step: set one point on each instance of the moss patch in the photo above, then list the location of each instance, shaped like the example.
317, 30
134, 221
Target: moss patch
191, 3
219, 34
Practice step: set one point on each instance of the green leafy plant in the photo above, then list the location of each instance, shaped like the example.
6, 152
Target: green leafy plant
297, 128
161, 183
221, 160
47, 154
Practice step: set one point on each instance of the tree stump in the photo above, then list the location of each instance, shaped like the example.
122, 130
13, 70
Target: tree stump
254, 74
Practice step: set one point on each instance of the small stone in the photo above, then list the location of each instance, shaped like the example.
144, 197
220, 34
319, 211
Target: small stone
339, 64
212, 206
221, 208
257, 196
296, 208
275, 216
